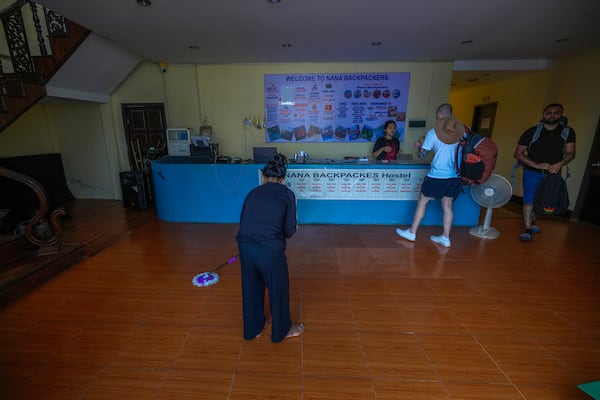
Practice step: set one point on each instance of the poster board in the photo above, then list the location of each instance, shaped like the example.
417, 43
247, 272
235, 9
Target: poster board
334, 108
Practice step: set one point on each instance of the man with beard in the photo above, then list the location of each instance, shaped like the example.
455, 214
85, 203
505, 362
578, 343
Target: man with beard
543, 149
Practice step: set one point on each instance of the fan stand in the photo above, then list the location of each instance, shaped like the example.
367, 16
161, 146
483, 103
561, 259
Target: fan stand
494, 193
485, 231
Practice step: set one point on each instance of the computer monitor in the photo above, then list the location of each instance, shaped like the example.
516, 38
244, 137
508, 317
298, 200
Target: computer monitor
263, 154
178, 141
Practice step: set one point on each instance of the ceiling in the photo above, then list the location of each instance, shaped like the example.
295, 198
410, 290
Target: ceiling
257, 31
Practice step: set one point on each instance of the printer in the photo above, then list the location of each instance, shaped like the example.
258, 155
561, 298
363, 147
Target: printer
203, 151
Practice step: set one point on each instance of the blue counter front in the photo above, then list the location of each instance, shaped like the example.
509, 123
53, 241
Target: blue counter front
214, 193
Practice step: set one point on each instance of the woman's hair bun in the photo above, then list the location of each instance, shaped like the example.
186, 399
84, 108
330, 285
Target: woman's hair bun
276, 167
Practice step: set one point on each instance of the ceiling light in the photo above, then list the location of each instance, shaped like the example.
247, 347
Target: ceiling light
144, 3
286, 45
466, 42
274, 1
563, 40
375, 44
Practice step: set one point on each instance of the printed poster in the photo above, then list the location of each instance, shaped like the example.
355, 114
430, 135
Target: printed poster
348, 108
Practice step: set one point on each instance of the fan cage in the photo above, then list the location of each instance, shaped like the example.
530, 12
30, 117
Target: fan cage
493, 193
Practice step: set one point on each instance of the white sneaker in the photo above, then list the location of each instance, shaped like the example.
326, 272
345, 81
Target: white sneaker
406, 234
443, 240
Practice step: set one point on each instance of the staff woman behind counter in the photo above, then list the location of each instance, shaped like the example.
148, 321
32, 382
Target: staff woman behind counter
387, 147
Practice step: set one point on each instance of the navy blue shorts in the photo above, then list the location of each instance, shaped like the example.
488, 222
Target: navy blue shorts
438, 188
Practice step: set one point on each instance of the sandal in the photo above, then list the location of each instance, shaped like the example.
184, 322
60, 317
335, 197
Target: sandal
295, 330
525, 236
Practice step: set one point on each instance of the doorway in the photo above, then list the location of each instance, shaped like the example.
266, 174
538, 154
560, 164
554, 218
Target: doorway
484, 116
145, 126
586, 209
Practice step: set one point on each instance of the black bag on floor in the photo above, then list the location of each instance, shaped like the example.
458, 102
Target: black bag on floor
551, 196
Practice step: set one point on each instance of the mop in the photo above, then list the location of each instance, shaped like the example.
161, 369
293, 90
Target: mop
210, 278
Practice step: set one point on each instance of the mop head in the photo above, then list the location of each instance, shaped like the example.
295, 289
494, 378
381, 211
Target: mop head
205, 279
210, 278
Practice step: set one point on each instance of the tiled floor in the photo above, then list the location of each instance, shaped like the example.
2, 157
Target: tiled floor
385, 318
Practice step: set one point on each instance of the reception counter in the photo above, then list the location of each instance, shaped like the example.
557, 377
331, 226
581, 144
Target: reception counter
327, 191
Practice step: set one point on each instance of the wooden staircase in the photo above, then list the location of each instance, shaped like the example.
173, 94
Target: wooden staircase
27, 260
25, 86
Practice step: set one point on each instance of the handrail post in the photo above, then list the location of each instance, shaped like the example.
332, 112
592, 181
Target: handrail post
53, 244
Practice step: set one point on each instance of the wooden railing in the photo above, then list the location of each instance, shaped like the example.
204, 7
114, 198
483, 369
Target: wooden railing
29, 64
24, 72
53, 243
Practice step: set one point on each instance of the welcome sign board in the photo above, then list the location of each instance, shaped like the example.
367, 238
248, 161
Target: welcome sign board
337, 107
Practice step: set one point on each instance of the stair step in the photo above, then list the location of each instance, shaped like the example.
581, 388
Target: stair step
14, 88
26, 273
16, 98
45, 65
16, 106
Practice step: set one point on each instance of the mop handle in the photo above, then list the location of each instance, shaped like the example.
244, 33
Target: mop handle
230, 261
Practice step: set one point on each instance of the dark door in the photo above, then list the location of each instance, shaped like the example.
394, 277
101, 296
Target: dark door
483, 118
587, 208
145, 126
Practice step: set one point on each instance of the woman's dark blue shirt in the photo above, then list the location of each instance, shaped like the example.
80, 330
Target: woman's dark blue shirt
268, 213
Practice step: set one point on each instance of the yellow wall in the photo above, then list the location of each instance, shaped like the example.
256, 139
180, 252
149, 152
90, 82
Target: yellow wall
76, 131
92, 141
81, 139
520, 101
30, 134
145, 84
224, 95
229, 93
573, 81
89, 136
182, 97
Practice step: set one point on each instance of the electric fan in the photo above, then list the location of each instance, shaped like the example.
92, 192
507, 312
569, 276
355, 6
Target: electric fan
493, 193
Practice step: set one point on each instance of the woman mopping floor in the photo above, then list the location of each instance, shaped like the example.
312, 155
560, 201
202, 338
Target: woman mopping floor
268, 219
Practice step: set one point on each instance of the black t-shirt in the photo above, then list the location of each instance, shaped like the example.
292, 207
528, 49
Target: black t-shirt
549, 147
382, 142
268, 213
